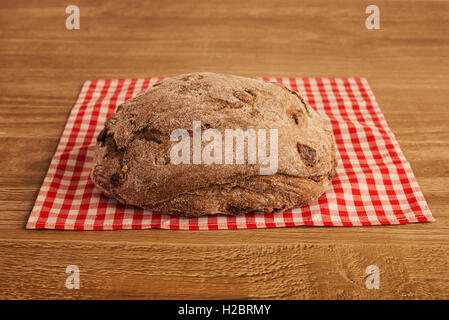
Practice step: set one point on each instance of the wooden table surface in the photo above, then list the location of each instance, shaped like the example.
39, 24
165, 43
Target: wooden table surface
43, 66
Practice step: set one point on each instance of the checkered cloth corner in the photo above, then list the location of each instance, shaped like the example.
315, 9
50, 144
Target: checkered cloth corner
374, 184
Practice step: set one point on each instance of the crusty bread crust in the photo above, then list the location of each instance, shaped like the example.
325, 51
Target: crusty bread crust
132, 156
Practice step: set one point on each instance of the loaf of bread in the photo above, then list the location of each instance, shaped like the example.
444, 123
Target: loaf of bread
166, 149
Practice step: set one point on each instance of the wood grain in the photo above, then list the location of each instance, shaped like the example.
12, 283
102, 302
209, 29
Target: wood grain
43, 66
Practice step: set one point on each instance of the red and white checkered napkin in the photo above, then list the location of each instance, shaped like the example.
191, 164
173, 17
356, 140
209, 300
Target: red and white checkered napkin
374, 184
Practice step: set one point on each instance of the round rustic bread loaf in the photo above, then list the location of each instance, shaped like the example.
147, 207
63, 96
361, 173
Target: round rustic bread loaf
133, 162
